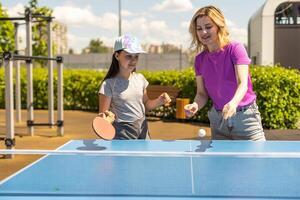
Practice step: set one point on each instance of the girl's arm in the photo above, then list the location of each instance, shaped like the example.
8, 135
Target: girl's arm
241, 73
104, 103
151, 104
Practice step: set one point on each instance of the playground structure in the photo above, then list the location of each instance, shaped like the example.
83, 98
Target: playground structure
9, 58
9, 108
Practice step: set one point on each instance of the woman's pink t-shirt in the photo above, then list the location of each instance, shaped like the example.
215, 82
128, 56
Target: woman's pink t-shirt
218, 72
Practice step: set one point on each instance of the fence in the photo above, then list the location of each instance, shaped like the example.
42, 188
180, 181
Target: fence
152, 62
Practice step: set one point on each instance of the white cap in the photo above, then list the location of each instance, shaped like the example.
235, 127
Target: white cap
129, 44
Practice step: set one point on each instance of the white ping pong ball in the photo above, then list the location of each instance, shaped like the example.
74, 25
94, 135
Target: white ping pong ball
201, 132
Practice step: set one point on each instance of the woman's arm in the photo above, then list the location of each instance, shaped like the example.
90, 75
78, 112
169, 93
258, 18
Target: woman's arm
201, 95
200, 99
241, 73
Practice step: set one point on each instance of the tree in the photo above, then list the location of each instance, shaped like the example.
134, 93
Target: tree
7, 40
39, 30
96, 46
71, 51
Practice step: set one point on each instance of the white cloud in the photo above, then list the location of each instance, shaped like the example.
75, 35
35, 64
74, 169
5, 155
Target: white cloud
83, 17
229, 23
126, 13
108, 21
236, 33
174, 6
185, 24
16, 11
155, 32
77, 43
74, 15
139, 24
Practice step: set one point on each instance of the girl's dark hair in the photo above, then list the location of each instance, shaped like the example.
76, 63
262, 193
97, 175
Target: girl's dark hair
114, 67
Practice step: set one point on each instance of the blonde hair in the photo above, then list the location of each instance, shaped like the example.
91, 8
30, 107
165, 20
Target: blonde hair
218, 19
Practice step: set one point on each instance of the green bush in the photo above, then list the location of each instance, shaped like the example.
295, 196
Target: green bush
277, 90
80, 88
278, 95
185, 81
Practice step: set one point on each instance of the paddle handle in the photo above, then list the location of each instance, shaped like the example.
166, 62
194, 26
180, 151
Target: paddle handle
108, 116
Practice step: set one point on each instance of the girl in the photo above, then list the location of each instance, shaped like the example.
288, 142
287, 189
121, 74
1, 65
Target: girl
124, 93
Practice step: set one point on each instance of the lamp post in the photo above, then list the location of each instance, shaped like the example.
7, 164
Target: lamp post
120, 20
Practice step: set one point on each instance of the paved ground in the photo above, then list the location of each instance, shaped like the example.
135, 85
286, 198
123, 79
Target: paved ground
78, 126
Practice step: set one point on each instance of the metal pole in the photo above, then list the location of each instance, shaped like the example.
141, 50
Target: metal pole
30, 116
146, 61
180, 57
50, 74
120, 19
18, 78
60, 95
9, 101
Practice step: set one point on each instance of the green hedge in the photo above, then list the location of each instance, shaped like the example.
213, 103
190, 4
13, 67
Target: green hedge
277, 89
278, 95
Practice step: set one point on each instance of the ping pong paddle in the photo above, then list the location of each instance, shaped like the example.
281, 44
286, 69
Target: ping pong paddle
103, 128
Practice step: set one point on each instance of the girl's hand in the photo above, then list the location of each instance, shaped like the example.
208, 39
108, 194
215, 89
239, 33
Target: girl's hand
190, 109
165, 99
229, 110
108, 115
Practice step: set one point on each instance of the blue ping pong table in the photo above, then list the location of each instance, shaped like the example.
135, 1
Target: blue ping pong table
157, 177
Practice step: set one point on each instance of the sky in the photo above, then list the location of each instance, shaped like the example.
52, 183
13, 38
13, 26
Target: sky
152, 21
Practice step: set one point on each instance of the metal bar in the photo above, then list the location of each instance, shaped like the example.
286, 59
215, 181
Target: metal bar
11, 18
50, 75
42, 16
41, 124
29, 66
9, 105
60, 96
21, 57
18, 79
24, 18
18, 92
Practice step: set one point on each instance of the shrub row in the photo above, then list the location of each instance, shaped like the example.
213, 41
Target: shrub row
277, 89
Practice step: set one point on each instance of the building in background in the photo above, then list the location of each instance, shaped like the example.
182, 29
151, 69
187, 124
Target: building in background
153, 48
60, 39
274, 34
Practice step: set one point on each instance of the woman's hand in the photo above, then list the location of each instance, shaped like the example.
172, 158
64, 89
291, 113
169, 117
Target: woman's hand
190, 109
108, 115
229, 110
164, 99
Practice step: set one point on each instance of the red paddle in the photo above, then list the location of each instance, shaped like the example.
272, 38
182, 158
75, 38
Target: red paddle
103, 128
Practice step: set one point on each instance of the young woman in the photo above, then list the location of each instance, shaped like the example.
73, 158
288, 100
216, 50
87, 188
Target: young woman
222, 74
123, 93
